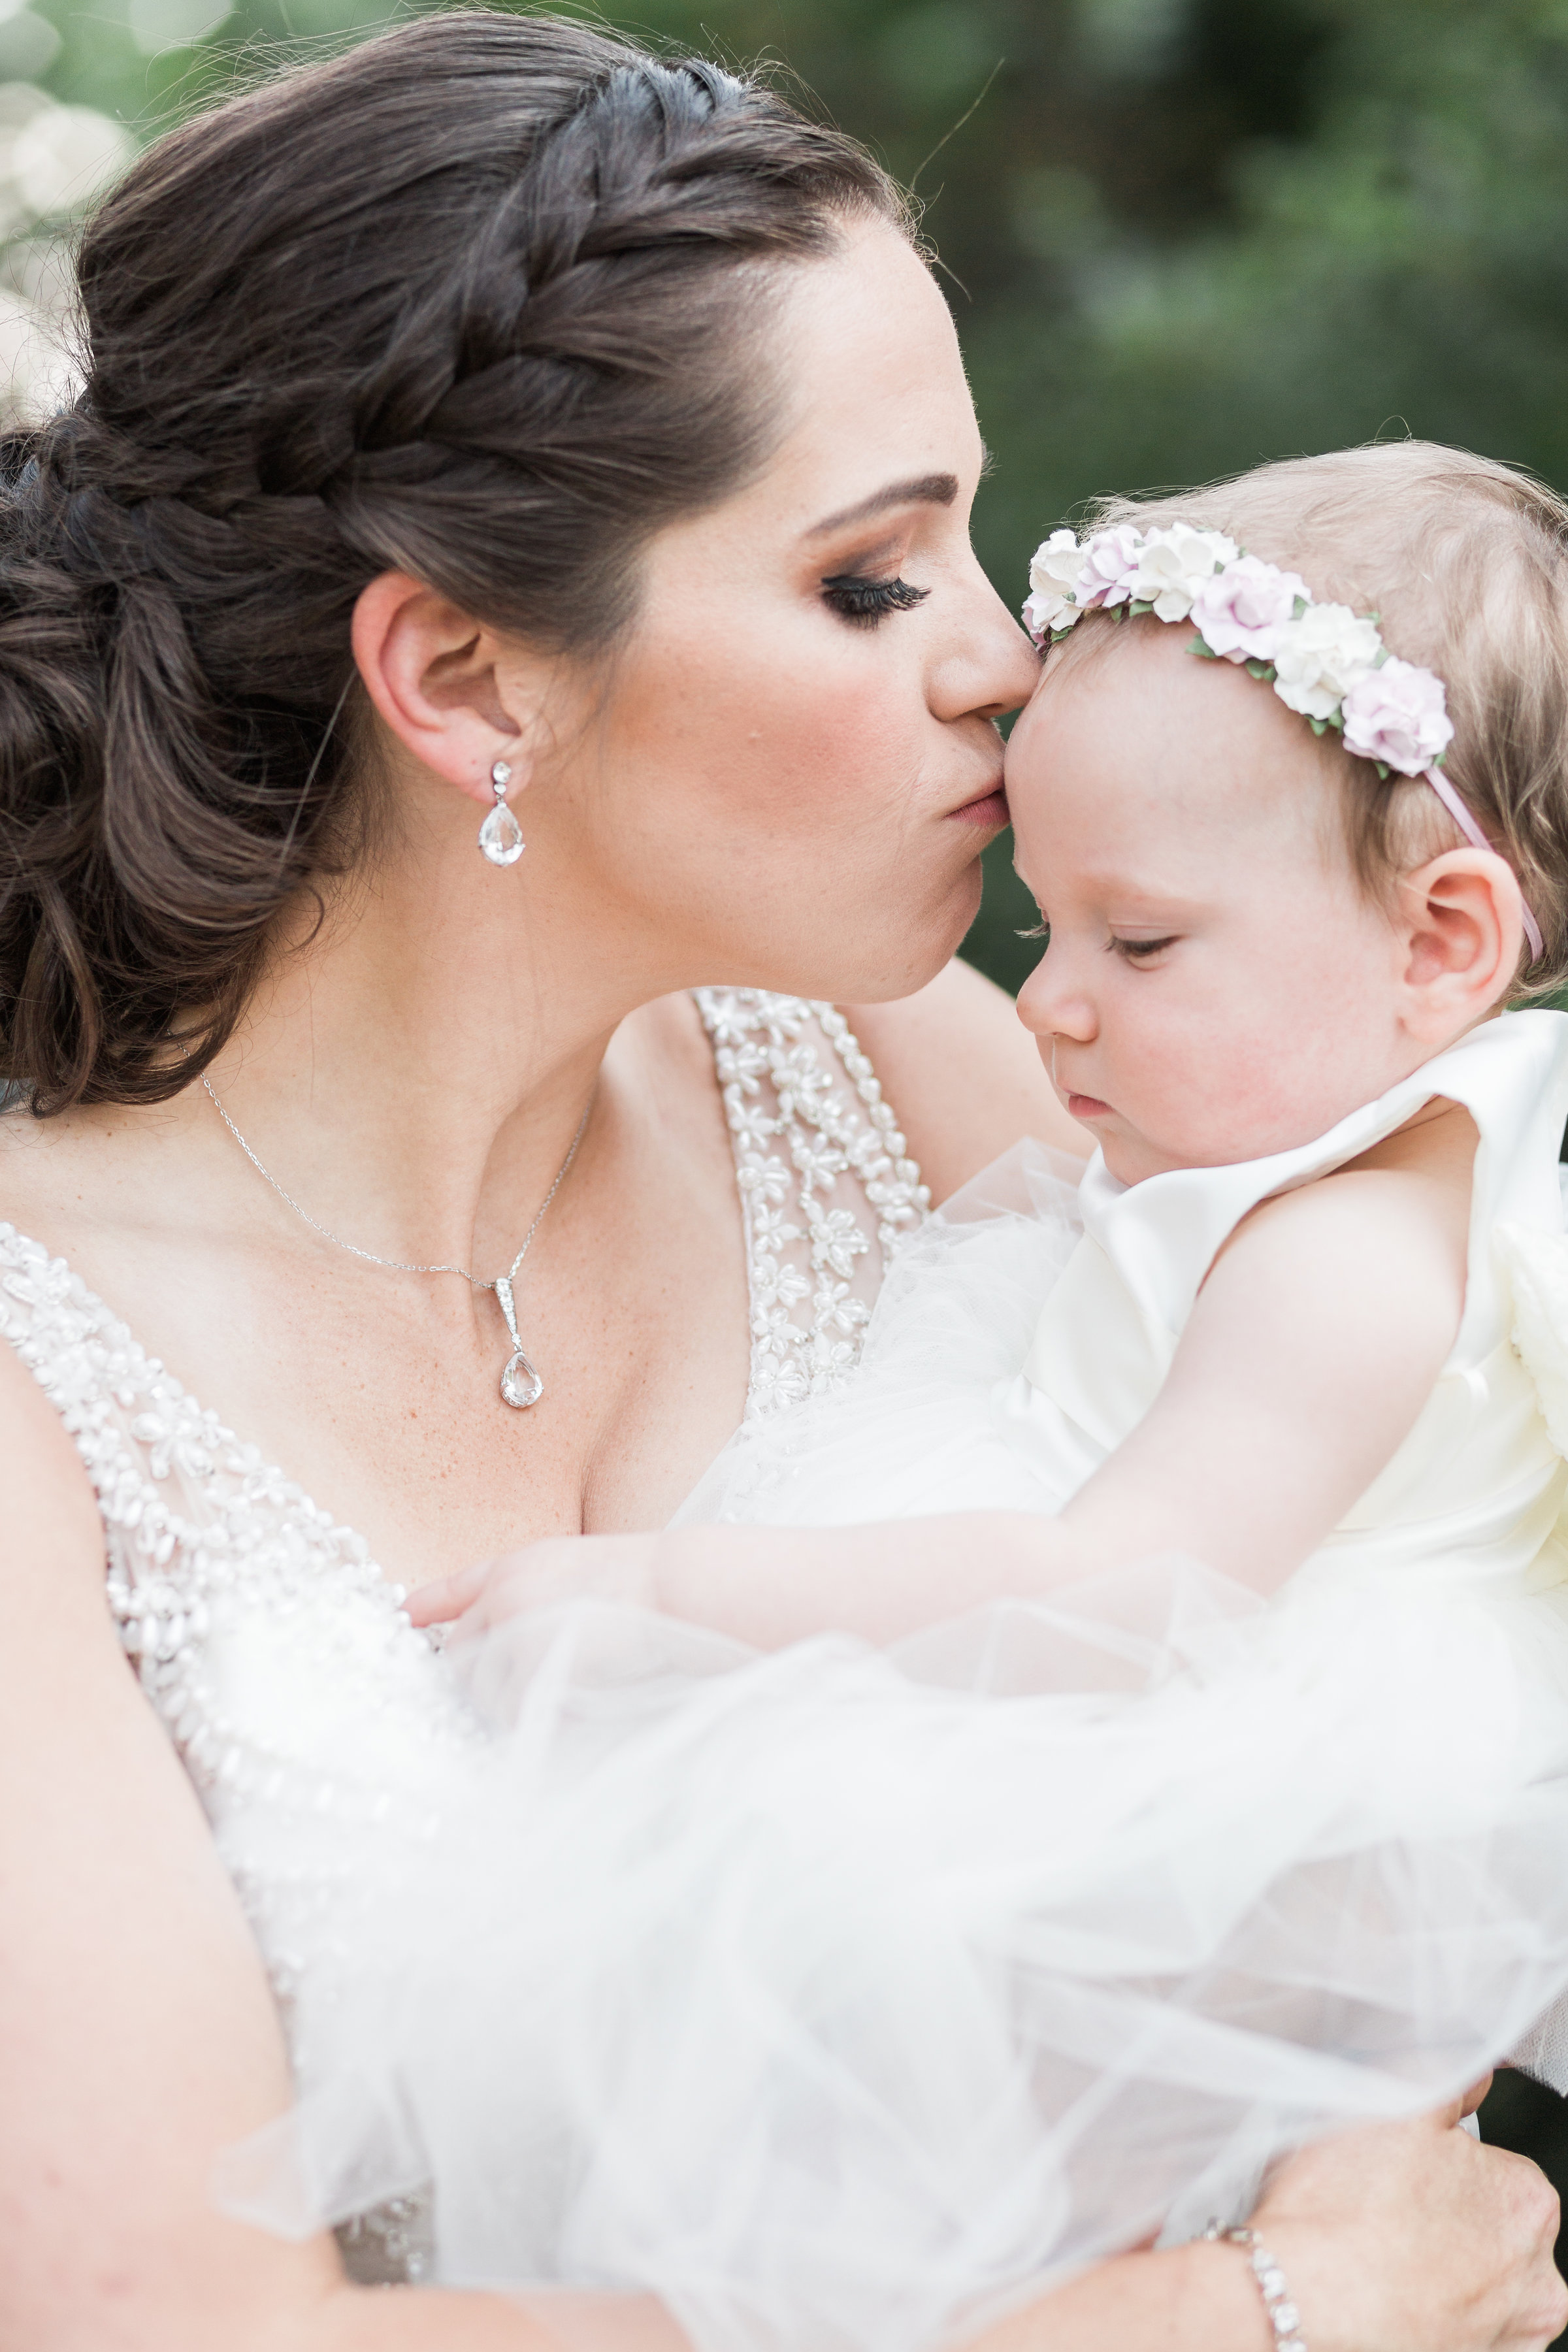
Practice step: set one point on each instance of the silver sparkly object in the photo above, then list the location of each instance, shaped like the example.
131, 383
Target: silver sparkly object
501, 835
1284, 2317
520, 1385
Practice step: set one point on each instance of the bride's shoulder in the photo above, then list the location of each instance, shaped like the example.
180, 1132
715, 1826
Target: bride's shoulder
965, 1076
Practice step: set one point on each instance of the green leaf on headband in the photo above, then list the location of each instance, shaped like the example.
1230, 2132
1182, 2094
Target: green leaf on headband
1136, 612
1205, 653
1382, 769
1317, 725
1265, 670
1297, 608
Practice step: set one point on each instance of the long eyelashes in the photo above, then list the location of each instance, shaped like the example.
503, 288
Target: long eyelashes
866, 602
1136, 950
1131, 951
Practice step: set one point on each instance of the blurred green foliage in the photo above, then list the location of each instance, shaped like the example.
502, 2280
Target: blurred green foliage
1178, 235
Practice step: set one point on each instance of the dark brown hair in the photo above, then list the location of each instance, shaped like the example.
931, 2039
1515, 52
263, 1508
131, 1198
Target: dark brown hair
1465, 562
480, 300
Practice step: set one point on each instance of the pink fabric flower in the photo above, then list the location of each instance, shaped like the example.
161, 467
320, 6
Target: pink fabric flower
1398, 714
1110, 566
1238, 611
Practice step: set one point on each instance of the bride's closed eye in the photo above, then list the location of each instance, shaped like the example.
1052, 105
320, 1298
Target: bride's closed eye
864, 602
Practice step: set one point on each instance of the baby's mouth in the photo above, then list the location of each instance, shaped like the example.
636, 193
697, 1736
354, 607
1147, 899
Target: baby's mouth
1086, 1106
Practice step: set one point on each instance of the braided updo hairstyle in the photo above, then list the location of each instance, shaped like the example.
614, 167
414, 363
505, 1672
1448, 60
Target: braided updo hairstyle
482, 300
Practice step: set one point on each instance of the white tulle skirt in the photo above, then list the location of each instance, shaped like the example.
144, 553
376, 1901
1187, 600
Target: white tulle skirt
841, 1997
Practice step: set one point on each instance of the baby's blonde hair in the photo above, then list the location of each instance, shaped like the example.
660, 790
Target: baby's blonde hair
1465, 562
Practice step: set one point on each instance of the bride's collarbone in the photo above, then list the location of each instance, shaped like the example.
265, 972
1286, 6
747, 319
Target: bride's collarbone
379, 1392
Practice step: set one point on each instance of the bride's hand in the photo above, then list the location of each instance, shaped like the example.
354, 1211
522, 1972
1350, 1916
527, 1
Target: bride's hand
561, 1568
1408, 2237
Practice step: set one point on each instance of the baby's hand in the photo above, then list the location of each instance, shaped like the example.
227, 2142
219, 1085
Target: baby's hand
562, 1568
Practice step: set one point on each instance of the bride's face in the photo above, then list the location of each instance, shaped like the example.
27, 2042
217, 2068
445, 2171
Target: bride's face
789, 775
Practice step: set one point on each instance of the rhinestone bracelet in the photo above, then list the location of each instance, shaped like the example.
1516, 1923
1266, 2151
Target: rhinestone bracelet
1283, 2316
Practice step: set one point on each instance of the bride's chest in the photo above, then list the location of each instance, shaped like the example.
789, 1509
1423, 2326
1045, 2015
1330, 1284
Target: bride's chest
721, 1256
382, 1393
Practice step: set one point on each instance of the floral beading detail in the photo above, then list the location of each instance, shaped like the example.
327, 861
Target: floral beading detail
249, 1538
799, 1133
209, 1550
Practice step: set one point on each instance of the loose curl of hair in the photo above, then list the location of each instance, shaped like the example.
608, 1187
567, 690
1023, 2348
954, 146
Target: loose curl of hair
482, 300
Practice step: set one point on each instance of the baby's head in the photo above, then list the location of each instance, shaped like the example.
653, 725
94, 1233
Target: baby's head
1251, 930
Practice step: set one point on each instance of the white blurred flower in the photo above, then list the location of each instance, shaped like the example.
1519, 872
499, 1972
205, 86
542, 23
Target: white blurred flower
1320, 658
62, 155
1173, 564
28, 44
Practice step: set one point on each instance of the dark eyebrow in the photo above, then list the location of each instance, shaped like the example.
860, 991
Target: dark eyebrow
926, 490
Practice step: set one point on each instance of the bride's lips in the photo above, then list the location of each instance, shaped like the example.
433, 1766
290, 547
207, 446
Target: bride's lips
990, 810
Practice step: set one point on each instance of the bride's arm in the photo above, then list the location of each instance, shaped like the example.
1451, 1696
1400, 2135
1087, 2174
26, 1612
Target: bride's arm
138, 2035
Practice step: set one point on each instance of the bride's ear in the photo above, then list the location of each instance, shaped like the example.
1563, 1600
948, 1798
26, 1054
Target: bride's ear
1462, 934
434, 674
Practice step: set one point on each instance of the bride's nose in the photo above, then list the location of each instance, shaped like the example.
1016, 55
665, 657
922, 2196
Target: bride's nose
989, 666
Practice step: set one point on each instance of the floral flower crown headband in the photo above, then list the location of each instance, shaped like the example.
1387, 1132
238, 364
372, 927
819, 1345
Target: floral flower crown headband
1323, 660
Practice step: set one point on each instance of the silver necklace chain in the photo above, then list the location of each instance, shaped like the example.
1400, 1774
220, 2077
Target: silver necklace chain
520, 1385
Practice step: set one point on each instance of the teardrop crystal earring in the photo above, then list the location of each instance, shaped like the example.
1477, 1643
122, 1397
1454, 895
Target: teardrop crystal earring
501, 835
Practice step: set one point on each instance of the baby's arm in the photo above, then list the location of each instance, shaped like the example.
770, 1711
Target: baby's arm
1311, 1349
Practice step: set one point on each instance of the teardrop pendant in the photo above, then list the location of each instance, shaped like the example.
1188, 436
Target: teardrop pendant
520, 1384
501, 837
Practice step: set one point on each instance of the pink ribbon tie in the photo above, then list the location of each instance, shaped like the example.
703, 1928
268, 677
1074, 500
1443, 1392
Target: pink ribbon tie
1477, 840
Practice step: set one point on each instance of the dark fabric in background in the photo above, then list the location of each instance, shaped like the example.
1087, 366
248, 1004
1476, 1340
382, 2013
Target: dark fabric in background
1526, 2116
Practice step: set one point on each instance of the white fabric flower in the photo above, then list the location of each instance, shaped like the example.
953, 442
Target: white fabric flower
1110, 565
1174, 565
1053, 575
1055, 563
1237, 612
1399, 715
1321, 656
1043, 615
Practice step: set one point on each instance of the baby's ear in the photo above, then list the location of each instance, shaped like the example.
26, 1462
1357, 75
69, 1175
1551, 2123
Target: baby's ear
1461, 929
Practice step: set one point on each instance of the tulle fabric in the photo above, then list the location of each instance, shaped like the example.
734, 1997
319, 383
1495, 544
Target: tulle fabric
921, 1428
840, 1997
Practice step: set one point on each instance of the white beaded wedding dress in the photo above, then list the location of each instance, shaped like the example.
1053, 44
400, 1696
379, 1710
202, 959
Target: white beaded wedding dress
312, 1717
840, 1997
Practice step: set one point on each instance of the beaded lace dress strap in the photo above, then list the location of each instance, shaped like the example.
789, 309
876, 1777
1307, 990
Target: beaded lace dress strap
189, 1512
829, 1190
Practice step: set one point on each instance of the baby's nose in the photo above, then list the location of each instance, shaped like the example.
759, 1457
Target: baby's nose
1051, 1005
